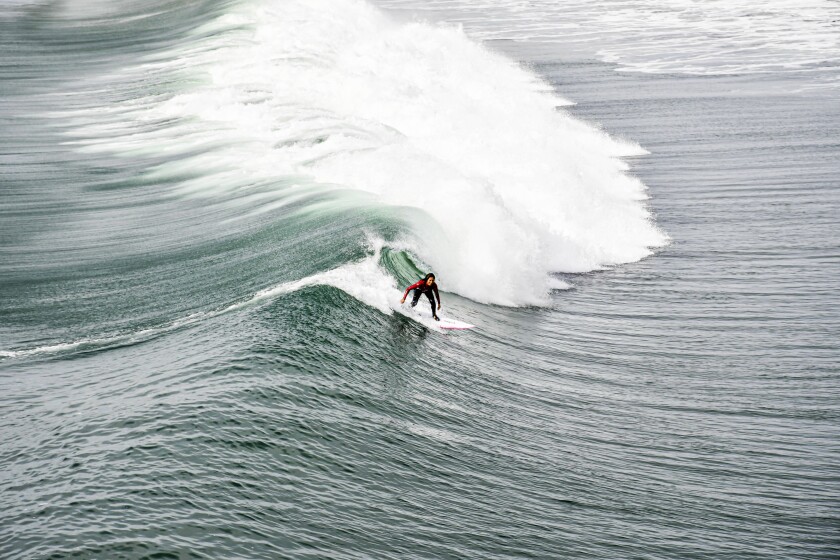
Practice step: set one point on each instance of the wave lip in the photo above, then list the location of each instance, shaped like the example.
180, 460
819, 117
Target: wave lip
510, 188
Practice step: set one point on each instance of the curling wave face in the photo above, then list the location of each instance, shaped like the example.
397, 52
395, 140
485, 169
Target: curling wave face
509, 187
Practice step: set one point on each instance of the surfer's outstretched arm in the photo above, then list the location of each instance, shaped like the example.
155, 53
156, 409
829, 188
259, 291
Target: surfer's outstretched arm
437, 295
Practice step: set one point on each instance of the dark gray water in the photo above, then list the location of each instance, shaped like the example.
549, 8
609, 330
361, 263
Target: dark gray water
184, 374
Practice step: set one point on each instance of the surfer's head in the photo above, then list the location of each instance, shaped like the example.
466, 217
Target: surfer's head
430, 279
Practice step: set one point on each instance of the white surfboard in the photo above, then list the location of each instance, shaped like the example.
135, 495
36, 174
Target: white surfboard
453, 325
424, 316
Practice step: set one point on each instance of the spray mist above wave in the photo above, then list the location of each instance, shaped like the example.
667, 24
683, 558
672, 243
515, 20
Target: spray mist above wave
511, 189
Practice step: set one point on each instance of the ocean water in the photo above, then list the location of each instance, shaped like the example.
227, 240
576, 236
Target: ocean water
208, 211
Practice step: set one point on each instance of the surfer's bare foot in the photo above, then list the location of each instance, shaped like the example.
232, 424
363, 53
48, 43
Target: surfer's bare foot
437, 318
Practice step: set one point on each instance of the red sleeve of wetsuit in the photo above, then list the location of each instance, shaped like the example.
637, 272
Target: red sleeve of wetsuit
413, 286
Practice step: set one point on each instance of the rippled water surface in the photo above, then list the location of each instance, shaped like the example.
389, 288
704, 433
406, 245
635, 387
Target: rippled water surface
208, 209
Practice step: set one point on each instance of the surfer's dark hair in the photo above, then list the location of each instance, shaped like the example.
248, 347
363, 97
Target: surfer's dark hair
430, 275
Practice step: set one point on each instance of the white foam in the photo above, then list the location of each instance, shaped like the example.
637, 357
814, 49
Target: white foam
511, 189
364, 280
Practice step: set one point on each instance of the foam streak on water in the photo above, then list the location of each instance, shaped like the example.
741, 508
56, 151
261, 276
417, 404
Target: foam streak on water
711, 37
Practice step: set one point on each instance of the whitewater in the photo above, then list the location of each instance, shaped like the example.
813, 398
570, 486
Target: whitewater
505, 186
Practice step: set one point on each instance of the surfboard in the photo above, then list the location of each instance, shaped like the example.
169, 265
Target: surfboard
453, 325
424, 315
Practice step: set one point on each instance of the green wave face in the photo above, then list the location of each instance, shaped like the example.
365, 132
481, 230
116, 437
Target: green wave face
401, 266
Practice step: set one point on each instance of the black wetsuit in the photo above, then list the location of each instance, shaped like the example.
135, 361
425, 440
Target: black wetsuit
421, 288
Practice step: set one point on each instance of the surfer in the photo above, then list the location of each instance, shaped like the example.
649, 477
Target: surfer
425, 286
